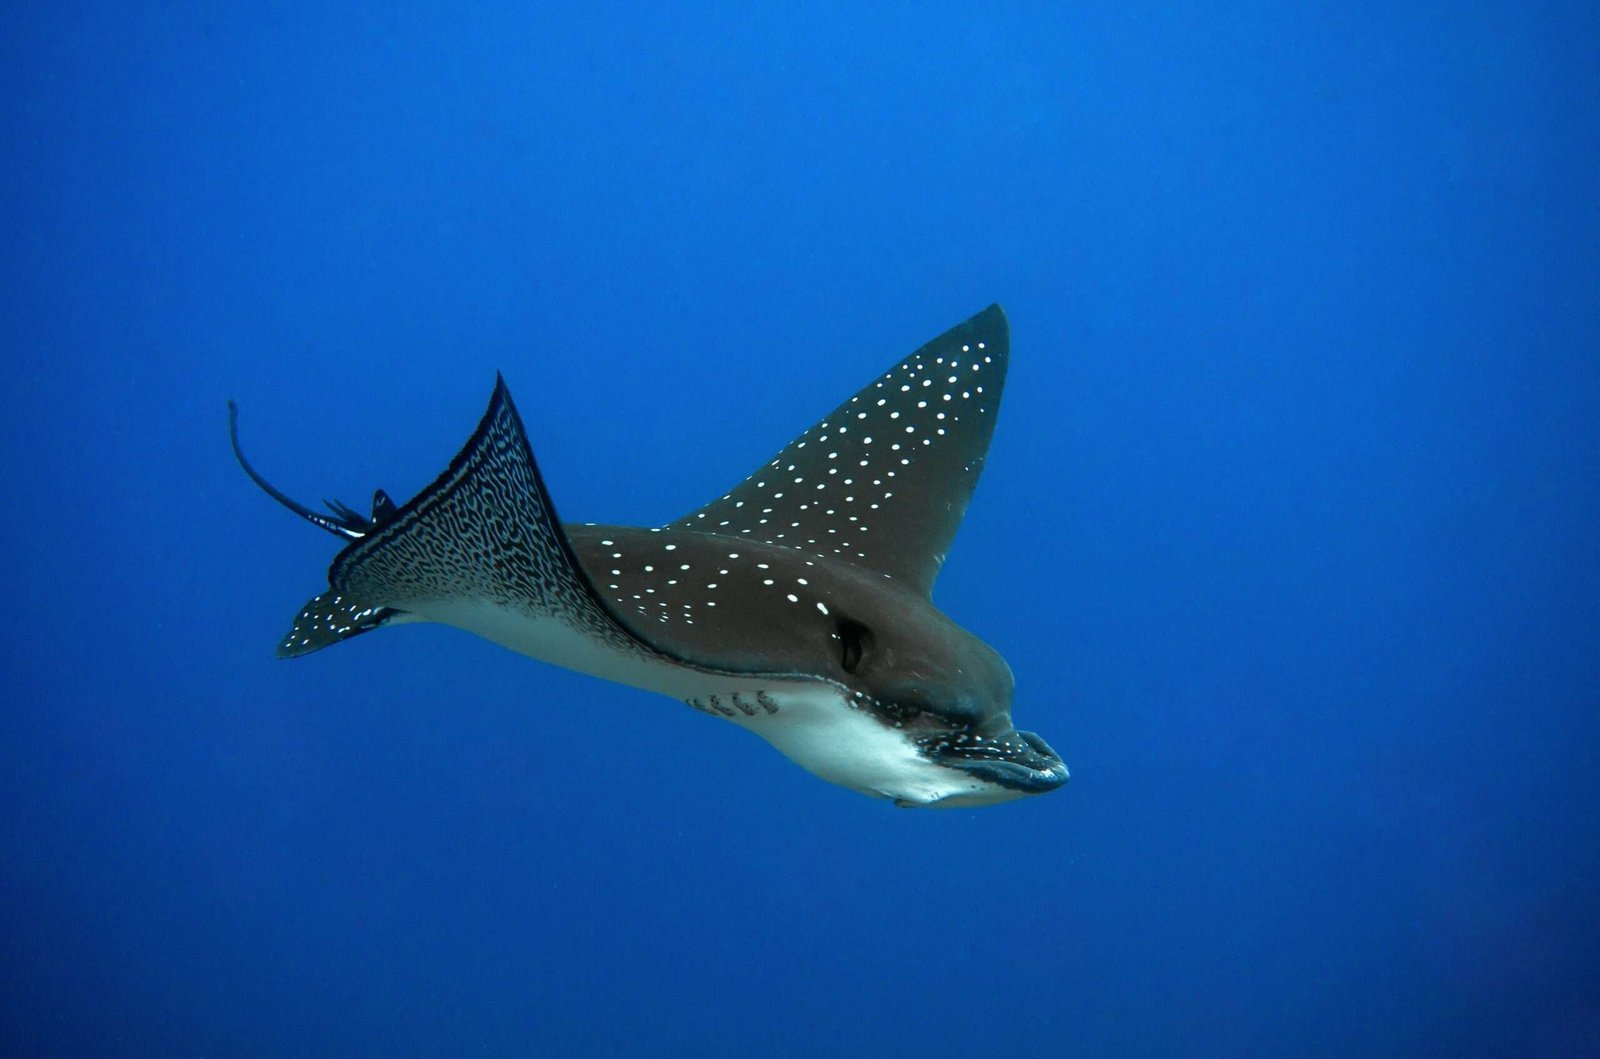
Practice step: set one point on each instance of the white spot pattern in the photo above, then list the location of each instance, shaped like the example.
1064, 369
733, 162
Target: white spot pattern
930, 401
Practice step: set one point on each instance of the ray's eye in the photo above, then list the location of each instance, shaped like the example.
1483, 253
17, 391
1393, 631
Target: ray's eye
855, 641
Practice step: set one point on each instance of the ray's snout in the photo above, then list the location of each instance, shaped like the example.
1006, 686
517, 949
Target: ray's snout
1020, 761
1049, 759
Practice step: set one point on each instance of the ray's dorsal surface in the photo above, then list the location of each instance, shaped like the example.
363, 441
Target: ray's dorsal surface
796, 605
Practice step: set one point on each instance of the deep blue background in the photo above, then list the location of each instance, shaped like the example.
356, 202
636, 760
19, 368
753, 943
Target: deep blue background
1289, 528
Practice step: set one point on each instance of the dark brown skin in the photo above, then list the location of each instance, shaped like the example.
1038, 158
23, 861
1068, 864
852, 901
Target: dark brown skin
887, 643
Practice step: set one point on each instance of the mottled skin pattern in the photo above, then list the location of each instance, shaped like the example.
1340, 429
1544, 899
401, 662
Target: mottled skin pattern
485, 528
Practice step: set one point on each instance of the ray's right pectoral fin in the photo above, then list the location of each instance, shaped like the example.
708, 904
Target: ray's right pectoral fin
883, 480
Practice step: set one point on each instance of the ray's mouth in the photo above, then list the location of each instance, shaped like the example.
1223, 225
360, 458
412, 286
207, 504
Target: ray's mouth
1020, 761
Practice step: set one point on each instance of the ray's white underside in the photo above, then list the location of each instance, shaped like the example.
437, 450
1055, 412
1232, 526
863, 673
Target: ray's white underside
808, 719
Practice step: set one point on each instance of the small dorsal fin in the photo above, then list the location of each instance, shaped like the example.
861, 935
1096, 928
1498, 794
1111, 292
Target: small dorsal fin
383, 508
884, 479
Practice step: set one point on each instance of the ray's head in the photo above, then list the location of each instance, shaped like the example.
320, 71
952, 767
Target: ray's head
946, 695
872, 687
816, 573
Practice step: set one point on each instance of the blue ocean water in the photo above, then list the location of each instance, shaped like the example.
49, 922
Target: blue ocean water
1288, 530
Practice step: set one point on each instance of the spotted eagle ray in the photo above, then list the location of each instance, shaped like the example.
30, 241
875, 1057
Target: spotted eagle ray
798, 605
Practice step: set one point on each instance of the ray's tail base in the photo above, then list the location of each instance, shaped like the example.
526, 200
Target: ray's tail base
344, 522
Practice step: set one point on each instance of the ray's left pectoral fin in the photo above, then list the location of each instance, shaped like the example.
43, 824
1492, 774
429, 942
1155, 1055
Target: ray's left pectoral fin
884, 479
